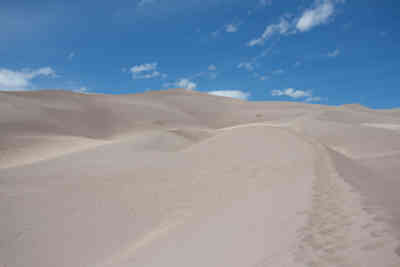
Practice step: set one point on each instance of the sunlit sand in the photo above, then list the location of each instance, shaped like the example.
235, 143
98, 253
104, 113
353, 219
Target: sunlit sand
181, 178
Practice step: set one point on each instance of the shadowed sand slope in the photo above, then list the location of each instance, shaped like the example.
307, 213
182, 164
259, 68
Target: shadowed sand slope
179, 178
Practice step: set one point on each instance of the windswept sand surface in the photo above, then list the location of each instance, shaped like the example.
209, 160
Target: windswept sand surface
178, 178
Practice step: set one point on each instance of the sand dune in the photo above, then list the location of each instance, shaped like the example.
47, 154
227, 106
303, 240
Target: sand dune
181, 178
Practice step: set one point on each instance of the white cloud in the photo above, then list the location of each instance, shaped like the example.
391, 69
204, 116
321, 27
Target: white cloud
231, 93
334, 53
297, 94
312, 17
282, 27
231, 28
144, 67
146, 71
153, 74
186, 84
246, 65
21, 80
321, 13
212, 67
290, 92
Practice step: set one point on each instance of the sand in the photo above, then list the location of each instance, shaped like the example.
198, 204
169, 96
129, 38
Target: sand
180, 178
384, 125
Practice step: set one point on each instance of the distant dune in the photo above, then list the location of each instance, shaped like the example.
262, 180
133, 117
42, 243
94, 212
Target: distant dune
182, 178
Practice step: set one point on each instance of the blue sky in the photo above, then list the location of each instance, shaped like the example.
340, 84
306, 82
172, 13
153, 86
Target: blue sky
321, 51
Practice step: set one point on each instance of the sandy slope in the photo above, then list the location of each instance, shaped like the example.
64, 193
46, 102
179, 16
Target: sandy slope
178, 178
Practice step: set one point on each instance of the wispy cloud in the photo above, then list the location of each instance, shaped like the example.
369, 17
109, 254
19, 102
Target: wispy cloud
278, 72
315, 16
212, 67
249, 66
290, 92
268, 75
231, 93
146, 71
144, 67
334, 53
191, 82
215, 33
313, 99
21, 80
71, 55
82, 89
297, 94
321, 13
213, 75
253, 62
297, 64
281, 28
145, 2
265, 2
231, 27
210, 73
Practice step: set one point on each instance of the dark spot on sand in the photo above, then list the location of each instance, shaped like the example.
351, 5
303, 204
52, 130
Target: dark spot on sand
397, 250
